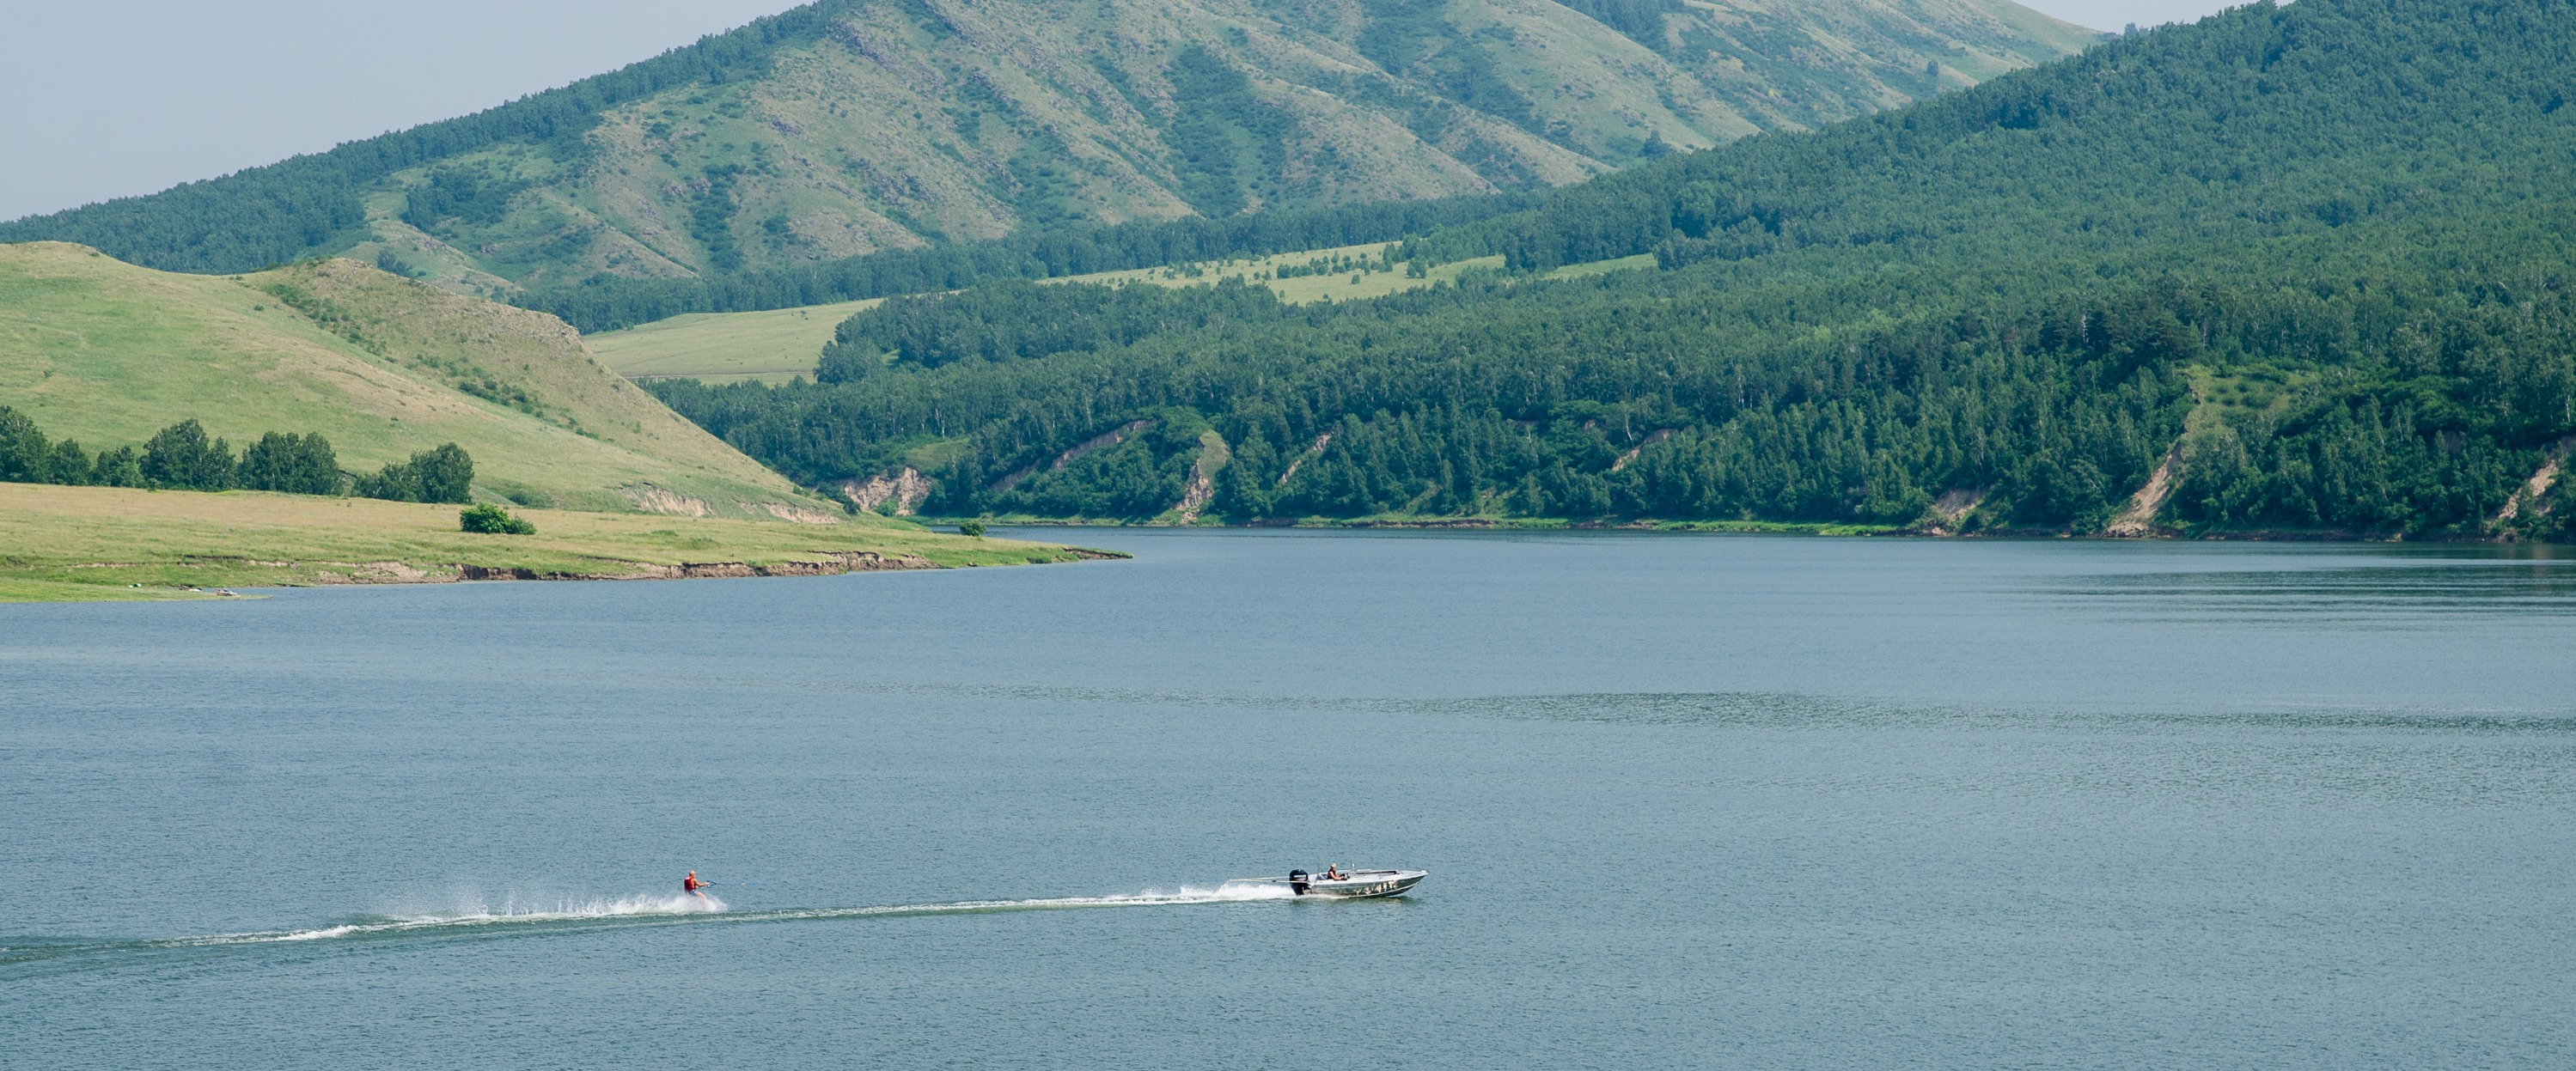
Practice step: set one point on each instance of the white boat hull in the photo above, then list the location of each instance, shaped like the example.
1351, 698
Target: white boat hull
1362, 884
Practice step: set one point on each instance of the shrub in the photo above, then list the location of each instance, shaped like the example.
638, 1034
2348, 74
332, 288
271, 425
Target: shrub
972, 528
489, 519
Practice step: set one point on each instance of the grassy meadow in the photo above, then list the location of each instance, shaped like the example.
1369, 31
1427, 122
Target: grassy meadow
101, 543
107, 353
1375, 280
722, 347
780, 344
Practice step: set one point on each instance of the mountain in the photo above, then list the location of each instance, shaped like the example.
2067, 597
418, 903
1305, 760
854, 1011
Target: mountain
2296, 269
853, 126
106, 353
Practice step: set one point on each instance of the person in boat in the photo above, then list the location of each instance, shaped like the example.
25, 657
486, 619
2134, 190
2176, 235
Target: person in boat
1333, 872
691, 885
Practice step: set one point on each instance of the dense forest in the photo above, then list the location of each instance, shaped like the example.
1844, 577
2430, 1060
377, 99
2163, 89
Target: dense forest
2315, 257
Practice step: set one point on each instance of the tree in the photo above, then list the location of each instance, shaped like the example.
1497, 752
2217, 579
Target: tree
446, 474
180, 456
24, 454
119, 467
442, 474
297, 464
67, 463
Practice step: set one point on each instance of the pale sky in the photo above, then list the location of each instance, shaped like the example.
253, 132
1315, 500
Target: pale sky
105, 98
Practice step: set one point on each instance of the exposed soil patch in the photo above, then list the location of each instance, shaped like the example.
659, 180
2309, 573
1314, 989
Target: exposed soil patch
827, 565
1111, 437
1630, 457
1312, 452
2140, 518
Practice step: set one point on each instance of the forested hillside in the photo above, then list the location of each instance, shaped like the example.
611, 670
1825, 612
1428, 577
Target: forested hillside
2295, 268
850, 127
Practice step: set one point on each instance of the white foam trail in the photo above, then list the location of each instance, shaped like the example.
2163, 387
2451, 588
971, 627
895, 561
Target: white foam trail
642, 908
478, 915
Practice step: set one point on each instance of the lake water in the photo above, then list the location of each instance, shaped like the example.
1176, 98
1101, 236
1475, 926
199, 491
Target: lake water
1687, 802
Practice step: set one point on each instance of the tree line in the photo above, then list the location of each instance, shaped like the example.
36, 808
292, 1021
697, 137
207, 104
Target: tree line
183, 457
606, 303
1020, 320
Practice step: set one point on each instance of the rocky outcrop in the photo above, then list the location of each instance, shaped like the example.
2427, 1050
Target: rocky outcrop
2534, 492
1947, 511
905, 489
1213, 455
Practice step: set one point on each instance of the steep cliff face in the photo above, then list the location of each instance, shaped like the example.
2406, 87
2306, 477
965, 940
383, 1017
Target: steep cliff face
848, 127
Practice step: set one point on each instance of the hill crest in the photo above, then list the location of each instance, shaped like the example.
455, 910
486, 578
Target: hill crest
843, 127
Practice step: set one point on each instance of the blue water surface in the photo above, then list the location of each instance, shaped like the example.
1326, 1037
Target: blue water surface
1687, 802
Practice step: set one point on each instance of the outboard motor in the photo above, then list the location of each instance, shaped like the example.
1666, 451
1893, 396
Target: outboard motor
1297, 882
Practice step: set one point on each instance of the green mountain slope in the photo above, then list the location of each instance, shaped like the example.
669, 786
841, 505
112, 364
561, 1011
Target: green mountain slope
107, 353
2297, 268
848, 127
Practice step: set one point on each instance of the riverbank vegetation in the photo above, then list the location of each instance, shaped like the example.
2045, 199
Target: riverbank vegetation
61, 543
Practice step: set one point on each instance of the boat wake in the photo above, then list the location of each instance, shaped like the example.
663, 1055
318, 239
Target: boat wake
637, 907
41, 955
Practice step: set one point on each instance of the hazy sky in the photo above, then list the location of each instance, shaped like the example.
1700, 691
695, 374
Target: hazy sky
104, 98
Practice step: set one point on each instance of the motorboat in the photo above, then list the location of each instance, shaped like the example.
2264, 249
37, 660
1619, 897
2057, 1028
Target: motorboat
1354, 884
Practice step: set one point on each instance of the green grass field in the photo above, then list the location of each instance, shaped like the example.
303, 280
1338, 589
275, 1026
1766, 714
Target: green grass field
778, 345
1603, 267
107, 353
1300, 290
721, 347
62, 544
